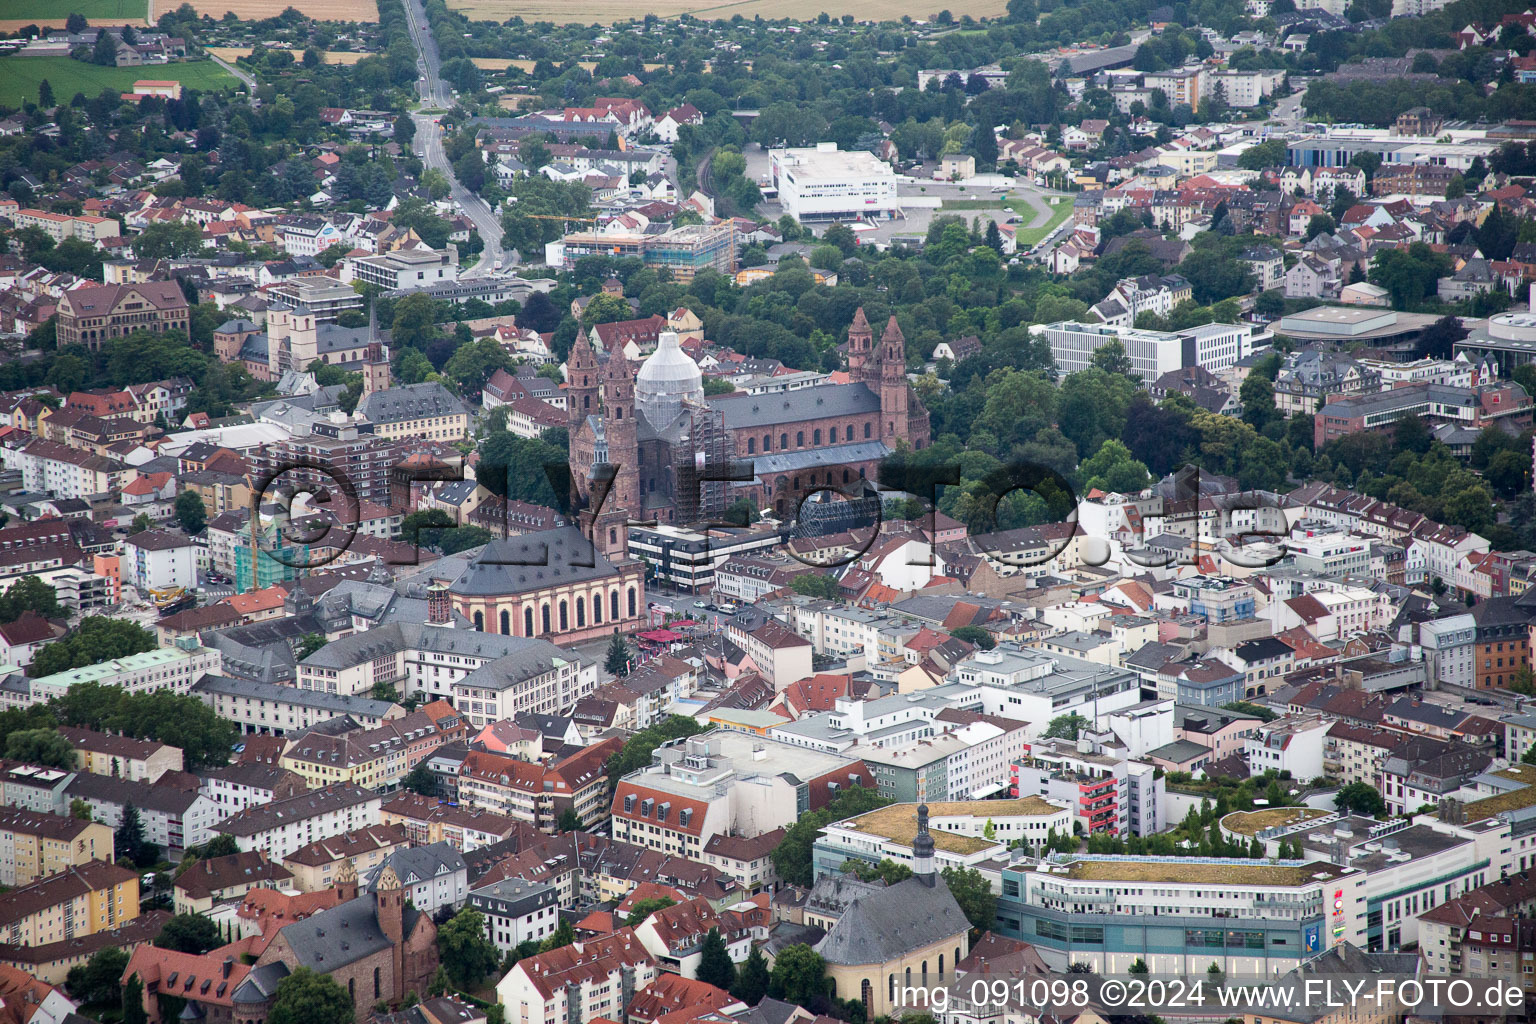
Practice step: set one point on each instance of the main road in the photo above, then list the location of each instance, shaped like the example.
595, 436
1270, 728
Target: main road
436, 95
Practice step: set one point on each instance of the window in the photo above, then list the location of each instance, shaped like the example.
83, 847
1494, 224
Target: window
816, 436
581, 613
632, 611
613, 605
544, 610
480, 621
565, 616
751, 446
528, 621
506, 622
799, 439
866, 430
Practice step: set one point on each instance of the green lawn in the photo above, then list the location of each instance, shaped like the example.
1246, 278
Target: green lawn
20, 76
47, 12
1030, 236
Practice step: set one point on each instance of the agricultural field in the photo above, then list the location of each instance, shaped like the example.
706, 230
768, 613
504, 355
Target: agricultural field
320, 10
102, 12
234, 53
606, 11
20, 77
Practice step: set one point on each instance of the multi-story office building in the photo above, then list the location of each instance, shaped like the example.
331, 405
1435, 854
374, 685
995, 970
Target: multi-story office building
404, 269
1179, 915
1105, 791
821, 183
1214, 347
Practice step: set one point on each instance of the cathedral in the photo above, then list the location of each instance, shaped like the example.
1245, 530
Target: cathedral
651, 446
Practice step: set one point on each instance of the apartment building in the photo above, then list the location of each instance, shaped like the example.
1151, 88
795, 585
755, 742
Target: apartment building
123, 757
283, 826
1105, 790
173, 817
517, 911
540, 794
63, 471
167, 668
34, 844
374, 758
578, 983
270, 709
316, 867
77, 902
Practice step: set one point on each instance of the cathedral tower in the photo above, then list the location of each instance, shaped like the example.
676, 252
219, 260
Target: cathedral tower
608, 525
861, 342
893, 383
580, 381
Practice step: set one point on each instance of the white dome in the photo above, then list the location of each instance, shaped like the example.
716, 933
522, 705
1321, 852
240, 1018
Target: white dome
667, 379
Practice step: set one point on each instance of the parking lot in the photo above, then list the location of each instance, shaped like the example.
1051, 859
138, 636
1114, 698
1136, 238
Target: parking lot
970, 200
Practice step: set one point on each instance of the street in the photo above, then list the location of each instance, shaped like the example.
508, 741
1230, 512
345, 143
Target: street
436, 95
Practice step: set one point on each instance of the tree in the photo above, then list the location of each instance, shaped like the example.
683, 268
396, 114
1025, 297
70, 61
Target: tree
1065, 727
97, 981
405, 130
975, 636
305, 997
1111, 358
168, 239
715, 966
473, 364
104, 52
616, 661
420, 780
133, 1002
128, 840
752, 976
141, 522
76, 23
309, 643
1114, 469
799, 975
974, 894
642, 909
189, 933
45, 95
95, 640
563, 936
1361, 798
1139, 968
78, 808
41, 747
792, 857
816, 584
462, 946
191, 513
569, 821
887, 871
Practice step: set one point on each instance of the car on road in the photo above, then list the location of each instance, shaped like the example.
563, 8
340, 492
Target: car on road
700, 604
1001, 188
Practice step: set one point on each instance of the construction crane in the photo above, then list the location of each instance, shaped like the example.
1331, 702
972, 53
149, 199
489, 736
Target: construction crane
556, 216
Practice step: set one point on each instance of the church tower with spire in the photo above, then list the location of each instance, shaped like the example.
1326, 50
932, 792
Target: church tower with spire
861, 343
893, 384
581, 385
922, 850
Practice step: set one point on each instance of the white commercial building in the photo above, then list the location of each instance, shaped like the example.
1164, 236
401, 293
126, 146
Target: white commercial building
821, 183
1215, 347
404, 269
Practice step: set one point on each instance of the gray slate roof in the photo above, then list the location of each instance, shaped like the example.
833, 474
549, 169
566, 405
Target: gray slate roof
821, 402
409, 402
888, 923
419, 863
533, 561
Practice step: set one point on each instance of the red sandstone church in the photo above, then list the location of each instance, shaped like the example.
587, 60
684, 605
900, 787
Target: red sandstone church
661, 433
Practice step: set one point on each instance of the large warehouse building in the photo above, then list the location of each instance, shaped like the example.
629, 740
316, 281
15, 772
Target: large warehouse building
822, 183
